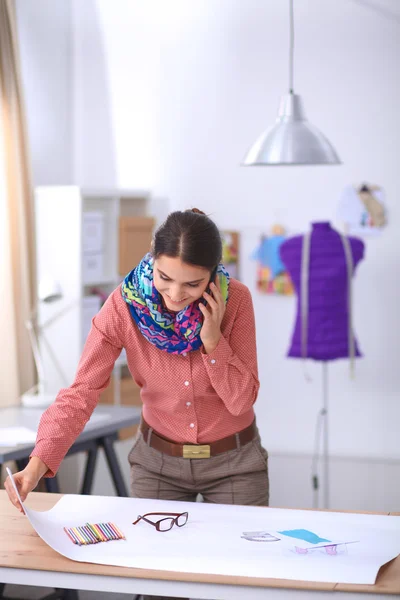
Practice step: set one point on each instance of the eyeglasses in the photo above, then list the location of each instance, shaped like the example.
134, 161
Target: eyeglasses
165, 524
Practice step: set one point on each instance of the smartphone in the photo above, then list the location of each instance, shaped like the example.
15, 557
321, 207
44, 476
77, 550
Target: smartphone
212, 280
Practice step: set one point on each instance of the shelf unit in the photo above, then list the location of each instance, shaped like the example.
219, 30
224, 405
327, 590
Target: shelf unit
79, 246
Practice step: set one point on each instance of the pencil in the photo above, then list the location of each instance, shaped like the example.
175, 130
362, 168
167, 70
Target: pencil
100, 533
69, 535
90, 534
93, 530
103, 530
78, 535
111, 533
119, 532
83, 534
71, 532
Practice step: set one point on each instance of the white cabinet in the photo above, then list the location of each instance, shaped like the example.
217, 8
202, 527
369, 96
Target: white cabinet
78, 245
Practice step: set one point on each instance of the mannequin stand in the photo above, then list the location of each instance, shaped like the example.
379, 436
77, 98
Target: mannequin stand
322, 428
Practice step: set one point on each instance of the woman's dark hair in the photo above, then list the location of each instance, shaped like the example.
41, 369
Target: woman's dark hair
191, 236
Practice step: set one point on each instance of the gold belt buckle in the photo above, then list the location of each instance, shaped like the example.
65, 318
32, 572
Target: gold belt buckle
196, 451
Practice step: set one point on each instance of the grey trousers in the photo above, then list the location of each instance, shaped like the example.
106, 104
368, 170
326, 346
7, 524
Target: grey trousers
238, 476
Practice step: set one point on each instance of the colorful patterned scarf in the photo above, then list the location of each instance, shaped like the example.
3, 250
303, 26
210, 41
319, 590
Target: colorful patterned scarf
173, 332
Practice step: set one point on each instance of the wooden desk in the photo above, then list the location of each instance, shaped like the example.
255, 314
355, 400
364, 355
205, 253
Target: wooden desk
26, 559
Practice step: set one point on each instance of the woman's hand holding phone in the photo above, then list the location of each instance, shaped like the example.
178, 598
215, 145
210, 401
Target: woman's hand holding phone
213, 313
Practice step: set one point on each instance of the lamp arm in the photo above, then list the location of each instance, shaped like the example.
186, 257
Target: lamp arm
33, 338
58, 315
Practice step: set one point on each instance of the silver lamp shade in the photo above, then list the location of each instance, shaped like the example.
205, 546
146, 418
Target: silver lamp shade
292, 140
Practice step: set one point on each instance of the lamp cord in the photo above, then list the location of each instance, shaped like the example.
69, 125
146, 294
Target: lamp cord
291, 46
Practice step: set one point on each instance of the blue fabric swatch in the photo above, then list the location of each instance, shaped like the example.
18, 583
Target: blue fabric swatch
268, 254
305, 535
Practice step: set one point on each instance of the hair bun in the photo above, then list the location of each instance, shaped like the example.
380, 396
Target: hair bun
197, 211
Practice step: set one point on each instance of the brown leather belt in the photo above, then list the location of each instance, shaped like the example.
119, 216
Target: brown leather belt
154, 440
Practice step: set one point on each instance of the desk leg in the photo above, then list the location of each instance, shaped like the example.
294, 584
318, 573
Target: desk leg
113, 465
51, 484
21, 464
89, 470
2, 586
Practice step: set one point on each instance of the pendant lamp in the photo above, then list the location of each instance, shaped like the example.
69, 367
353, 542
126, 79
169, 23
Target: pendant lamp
292, 140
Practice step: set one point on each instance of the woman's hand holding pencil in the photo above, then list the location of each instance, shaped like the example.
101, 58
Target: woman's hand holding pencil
26, 481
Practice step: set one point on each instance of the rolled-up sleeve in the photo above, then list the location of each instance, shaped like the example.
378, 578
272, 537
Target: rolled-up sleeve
232, 366
65, 419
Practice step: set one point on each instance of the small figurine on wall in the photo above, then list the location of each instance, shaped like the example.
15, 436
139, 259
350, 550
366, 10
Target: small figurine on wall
362, 209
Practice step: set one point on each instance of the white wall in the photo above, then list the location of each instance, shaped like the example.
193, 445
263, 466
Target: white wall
191, 87
169, 96
44, 29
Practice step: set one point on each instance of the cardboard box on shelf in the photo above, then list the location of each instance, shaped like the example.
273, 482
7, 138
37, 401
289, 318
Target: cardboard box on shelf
130, 396
135, 234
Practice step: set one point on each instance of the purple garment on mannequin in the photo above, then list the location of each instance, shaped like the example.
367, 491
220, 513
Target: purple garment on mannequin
328, 310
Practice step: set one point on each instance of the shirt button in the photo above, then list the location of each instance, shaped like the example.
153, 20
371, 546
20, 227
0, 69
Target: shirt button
192, 425
213, 361
186, 383
188, 403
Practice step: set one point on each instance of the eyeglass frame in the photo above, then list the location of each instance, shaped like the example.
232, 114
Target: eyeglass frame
157, 523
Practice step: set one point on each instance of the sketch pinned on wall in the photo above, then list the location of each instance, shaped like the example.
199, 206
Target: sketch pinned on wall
362, 209
230, 252
272, 277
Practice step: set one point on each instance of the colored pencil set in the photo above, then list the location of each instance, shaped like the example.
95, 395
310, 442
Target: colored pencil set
94, 533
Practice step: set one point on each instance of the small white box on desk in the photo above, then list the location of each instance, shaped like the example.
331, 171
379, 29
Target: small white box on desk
93, 231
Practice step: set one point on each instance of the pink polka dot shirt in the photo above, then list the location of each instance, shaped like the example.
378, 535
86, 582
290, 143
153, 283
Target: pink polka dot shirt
190, 398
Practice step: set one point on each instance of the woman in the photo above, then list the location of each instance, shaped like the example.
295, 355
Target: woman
189, 334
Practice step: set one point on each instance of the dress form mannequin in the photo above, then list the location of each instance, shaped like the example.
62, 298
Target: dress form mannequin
321, 265
328, 290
